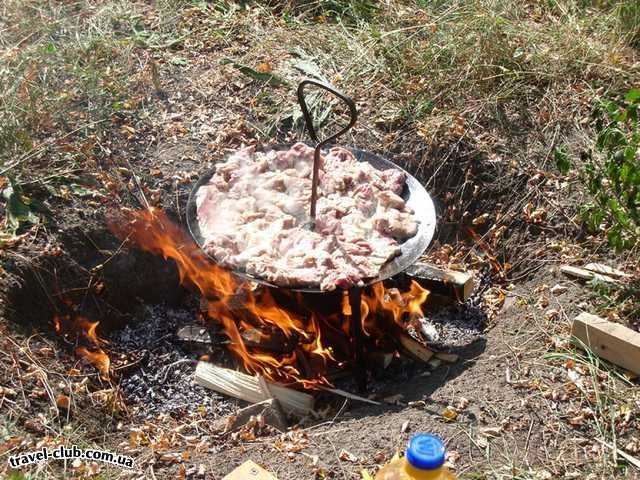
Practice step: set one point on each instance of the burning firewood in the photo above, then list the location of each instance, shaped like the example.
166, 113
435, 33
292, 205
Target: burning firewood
275, 341
413, 348
251, 389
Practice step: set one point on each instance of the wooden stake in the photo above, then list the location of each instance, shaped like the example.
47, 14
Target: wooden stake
249, 388
270, 410
609, 340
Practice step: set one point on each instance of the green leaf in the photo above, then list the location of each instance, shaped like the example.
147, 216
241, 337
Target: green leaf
625, 174
19, 208
611, 107
83, 191
592, 216
629, 153
270, 78
614, 236
618, 212
562, 160
15, 475
633, 95
179, 61
518, 53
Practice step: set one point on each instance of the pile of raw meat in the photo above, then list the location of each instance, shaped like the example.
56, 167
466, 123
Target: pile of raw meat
254, 216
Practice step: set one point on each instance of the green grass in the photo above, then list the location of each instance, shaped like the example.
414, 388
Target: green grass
64, 72
68, 66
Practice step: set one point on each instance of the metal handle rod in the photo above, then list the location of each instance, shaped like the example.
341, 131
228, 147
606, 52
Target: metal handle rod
357, 337
353, 112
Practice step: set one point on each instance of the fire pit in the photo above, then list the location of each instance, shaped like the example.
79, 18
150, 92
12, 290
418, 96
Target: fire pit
300, 340
292, 343
416, 198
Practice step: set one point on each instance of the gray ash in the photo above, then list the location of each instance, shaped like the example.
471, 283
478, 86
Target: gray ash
460, 325
162, 382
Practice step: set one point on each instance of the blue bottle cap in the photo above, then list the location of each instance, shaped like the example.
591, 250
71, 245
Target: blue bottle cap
425, 452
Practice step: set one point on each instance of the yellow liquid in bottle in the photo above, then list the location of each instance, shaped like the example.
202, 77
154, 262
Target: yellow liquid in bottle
400, 469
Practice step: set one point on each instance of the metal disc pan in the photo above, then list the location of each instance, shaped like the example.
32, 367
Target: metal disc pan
414, 194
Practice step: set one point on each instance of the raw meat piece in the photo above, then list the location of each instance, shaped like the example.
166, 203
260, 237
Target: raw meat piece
252, 216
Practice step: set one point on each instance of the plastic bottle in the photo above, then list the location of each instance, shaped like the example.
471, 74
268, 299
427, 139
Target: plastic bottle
424, 460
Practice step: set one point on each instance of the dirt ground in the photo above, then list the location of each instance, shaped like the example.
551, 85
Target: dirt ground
510, 410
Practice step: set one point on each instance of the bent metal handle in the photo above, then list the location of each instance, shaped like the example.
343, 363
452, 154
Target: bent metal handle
353, 113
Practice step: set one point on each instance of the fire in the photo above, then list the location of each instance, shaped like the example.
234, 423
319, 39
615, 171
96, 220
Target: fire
240, 308
98, 358
392, 302
86, 331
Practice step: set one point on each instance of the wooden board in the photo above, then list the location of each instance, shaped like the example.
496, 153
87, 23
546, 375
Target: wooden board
249, 470
251, 389
609, 340
585, 274
606, 270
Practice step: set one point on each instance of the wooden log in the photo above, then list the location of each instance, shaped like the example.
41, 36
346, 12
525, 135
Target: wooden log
450, 283
380, 359
413, 348
249, 388
585, 274
609, 340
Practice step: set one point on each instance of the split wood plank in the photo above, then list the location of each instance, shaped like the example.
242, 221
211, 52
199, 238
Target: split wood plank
606, 270
414, 348
585, 274
249, 388
609, 340
451, 283
275, 341
249, 470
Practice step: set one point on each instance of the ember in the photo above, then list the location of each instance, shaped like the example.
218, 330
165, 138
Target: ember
322, 338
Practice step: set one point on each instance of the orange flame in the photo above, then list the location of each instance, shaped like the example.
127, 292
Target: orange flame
98, 358
87, 330
394, 303
153, 231
239, 308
